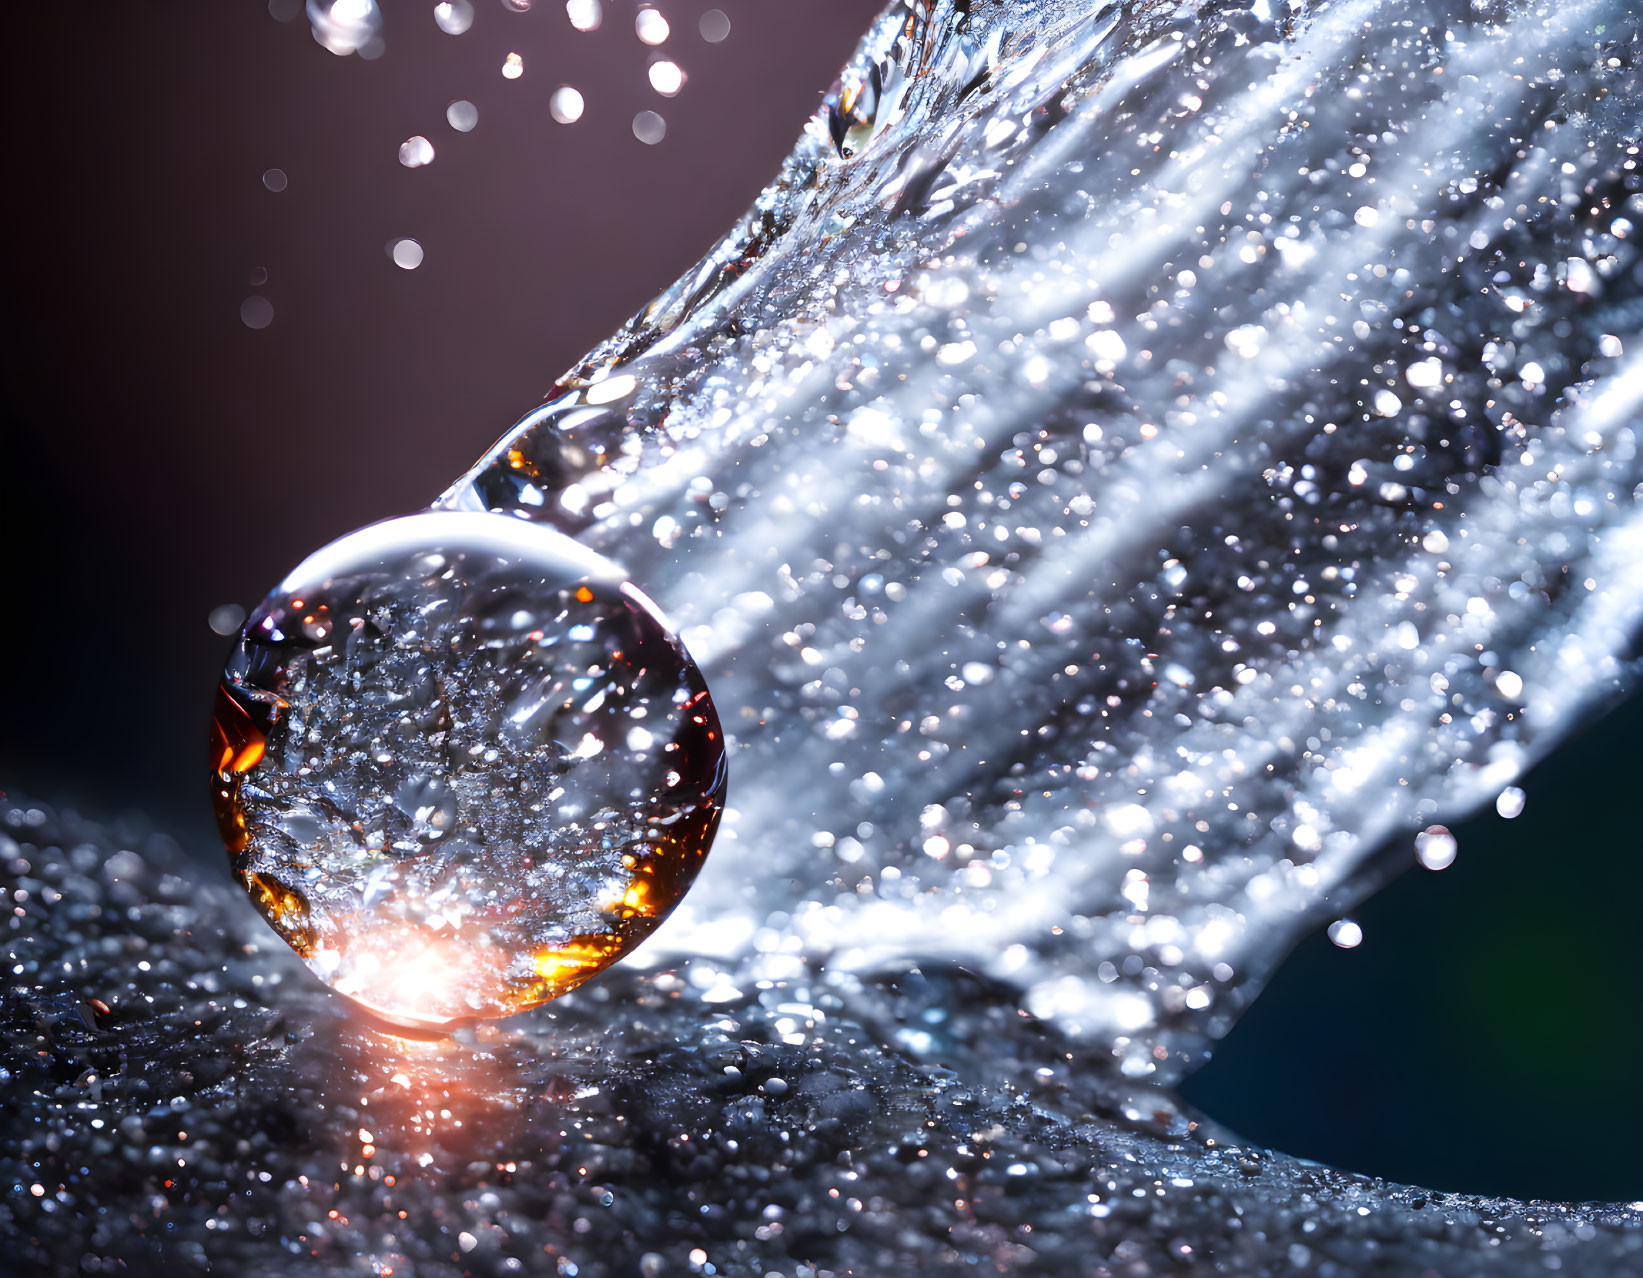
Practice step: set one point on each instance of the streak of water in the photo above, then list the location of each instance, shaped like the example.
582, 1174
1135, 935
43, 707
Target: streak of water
1132, 460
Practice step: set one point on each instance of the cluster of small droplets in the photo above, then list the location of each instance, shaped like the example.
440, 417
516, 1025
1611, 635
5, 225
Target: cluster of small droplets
356, 28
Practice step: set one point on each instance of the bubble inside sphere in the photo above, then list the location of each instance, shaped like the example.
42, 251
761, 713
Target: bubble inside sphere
462, 765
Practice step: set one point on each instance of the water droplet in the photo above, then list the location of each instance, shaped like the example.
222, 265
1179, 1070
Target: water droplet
284, 10
1510, 803
1435, 847
513, 66
453, 17
347, 26
462, 115
1425, 374
714, 26
666, 77
566, 105
415, 152
226, 619
256, 312
421, 766
406, 253
649, 127
584, 14
650, 26
1346, 934
517, 6
275, 180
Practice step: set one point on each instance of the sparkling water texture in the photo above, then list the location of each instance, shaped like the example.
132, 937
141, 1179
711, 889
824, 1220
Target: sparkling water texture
1133, 460
1407, 227
187, 1100
462, 766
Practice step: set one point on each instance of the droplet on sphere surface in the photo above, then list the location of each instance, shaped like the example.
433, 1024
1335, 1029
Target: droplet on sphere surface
462, 765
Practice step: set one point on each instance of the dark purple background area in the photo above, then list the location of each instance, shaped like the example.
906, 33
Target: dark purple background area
162, 458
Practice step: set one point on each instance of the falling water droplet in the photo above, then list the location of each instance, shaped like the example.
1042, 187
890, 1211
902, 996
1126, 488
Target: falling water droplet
584, 15
650, 26
565, 105
1435, 847
666, 77
1346, 934
453, 17
649, 127
416, 152
428, 769
256, 312
513, 66
347, 26
714, 26
226, 619
275, 180
1510, 803
462, 115
407, 253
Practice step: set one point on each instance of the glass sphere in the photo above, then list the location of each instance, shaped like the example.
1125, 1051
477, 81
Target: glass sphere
462, 765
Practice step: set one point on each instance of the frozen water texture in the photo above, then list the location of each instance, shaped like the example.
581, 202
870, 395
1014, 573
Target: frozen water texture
1132, 461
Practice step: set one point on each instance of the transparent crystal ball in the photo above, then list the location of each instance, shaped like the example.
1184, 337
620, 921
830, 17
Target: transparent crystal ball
462, 765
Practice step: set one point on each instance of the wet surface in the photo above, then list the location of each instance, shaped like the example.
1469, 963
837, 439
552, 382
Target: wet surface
183, 1097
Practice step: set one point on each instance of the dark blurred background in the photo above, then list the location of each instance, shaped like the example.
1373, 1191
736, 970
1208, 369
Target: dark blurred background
161, 458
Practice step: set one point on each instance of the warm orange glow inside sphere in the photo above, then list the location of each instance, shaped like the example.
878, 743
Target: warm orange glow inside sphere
462, 766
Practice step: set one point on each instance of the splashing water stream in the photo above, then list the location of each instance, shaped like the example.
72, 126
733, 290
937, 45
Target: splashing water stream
1133, 459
